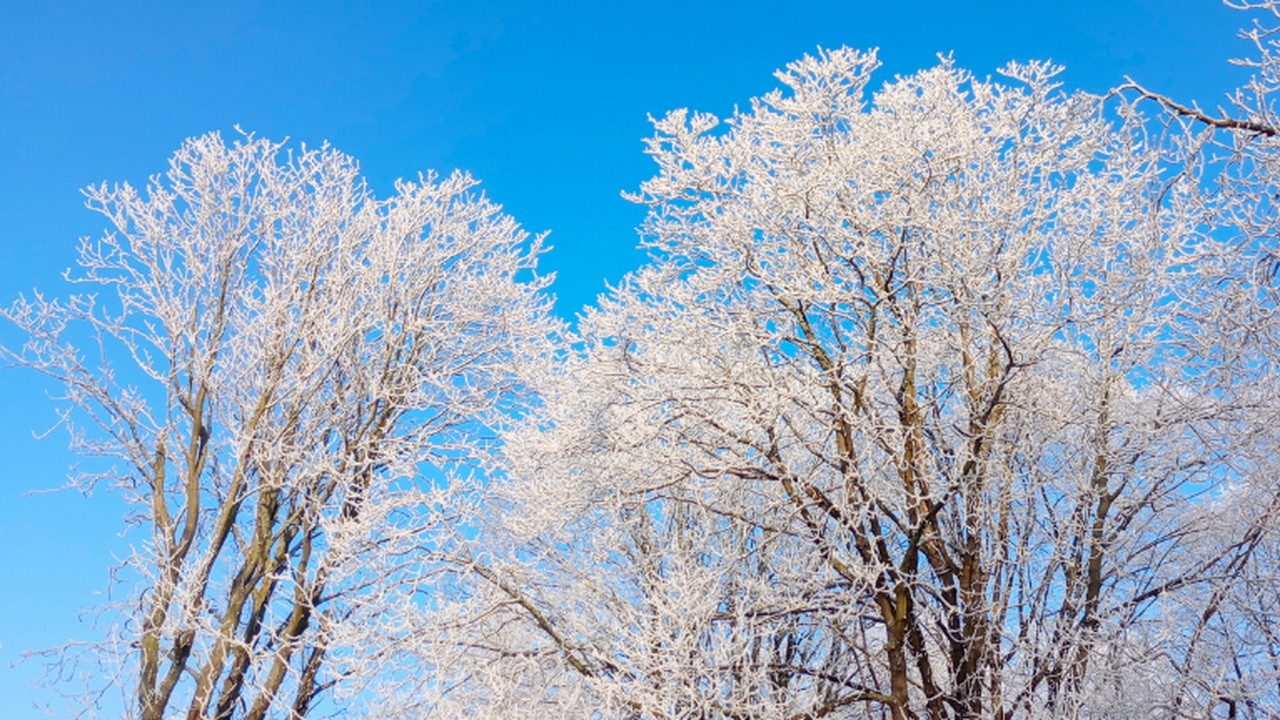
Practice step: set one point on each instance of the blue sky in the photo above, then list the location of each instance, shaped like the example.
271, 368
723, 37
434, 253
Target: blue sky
544, 102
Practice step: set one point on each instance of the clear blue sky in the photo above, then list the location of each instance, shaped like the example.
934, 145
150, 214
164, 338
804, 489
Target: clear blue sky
544, 102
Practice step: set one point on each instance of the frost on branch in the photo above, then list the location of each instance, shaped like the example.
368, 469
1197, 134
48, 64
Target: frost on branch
297, 382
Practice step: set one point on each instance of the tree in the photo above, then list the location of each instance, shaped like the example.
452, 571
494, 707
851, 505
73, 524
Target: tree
937, 404
294, 378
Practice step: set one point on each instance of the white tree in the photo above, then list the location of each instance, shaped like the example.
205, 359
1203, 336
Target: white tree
921, 409
294, 379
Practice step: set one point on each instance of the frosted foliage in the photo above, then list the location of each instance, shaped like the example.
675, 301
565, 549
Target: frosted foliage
954, 398
295, 381
918, 411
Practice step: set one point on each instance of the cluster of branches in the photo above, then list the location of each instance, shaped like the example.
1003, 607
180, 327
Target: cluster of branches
952, 399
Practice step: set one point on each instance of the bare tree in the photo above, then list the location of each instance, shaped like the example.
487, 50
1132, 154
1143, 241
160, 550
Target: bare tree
923, 408
293, 378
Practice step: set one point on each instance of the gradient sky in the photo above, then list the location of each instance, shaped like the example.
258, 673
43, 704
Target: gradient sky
544, 102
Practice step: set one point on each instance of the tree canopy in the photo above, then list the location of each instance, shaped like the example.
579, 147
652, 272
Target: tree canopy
945, 398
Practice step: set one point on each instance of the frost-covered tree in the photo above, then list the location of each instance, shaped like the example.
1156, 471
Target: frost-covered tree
293, 378
933, 402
